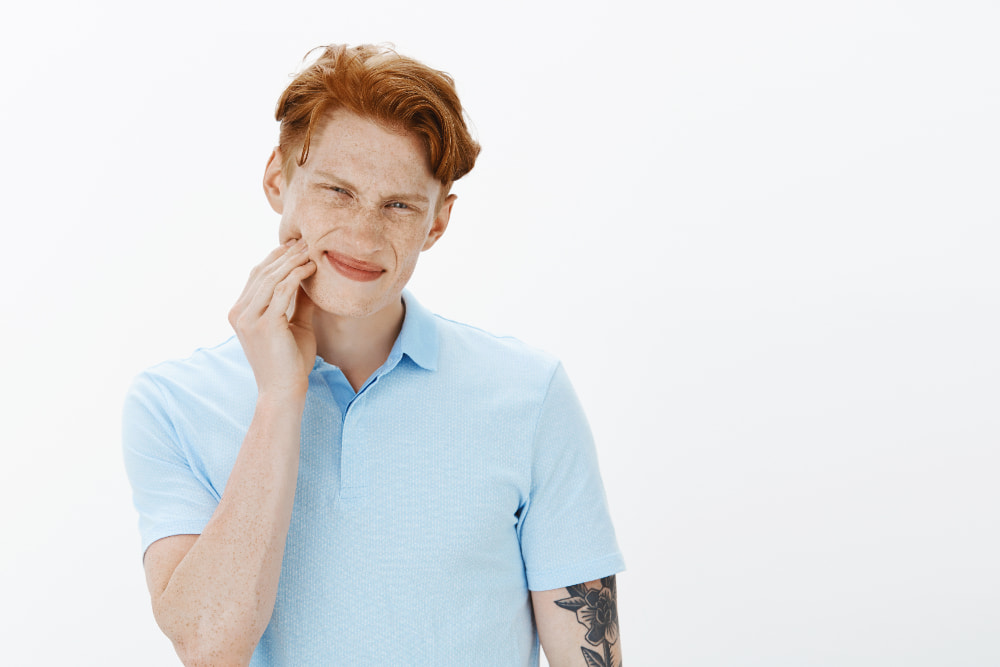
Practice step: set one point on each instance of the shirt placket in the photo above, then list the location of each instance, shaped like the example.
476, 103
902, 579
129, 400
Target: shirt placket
356, 445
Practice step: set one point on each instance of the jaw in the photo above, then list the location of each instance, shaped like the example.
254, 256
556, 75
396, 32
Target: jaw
338, 298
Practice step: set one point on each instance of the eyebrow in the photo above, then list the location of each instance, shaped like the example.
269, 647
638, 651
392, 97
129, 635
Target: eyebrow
339, 181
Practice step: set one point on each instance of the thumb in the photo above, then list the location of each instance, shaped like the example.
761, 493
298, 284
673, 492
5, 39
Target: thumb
303, 310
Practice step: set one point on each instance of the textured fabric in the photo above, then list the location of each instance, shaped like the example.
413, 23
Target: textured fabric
461, 476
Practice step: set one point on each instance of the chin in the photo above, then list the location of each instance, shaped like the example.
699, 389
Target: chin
348, 303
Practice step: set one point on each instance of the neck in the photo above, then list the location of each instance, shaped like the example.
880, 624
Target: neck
358, 346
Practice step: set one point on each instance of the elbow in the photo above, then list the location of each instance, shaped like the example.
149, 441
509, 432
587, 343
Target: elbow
201, 644
191, 655
212, 659
211, 654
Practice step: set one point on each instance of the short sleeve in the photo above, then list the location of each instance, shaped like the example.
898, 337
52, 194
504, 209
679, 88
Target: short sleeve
564, 527
169, 497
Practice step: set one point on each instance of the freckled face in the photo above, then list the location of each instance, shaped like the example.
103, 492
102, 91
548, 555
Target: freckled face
366, 204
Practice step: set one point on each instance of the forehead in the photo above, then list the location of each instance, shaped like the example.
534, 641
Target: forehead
353, 147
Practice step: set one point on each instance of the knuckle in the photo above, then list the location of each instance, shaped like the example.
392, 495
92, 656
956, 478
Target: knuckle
268, 276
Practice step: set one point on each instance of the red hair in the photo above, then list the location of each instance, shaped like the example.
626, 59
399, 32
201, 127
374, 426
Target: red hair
379, 84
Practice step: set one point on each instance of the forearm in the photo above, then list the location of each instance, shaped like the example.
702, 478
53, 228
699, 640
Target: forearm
578, 625
220, 597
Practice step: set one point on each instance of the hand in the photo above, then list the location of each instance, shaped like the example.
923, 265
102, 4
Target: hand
281, 350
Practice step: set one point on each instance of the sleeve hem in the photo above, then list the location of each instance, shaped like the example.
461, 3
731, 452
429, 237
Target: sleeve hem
576, 574
192, 527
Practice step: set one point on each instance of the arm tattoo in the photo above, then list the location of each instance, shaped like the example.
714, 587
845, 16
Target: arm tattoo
597, 610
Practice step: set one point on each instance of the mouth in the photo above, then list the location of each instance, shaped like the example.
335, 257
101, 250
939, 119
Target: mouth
354, 269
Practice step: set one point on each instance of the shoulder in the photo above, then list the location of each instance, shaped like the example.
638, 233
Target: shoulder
185, 407
467, 346
206, 371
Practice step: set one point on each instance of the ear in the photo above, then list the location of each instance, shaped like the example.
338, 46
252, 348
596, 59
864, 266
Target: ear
440, 222
274, 182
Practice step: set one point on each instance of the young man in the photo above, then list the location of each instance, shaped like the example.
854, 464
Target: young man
351, 479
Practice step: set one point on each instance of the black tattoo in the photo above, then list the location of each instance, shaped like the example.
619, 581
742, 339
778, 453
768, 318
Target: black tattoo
597, 610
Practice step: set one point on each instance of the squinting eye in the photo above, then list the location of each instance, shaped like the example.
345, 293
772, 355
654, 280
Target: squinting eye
399, 204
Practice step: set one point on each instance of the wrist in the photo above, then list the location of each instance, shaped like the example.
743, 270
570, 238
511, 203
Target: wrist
283, 398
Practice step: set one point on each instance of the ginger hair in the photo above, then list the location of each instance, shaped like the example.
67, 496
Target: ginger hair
394, 91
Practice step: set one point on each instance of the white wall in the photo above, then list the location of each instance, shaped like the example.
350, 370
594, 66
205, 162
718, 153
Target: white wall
762, 236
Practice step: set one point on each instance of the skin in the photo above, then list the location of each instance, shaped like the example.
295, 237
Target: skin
366, 192
563, 632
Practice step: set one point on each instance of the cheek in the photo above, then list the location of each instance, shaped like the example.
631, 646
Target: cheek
414, 235
303, 221
411, 248
287, 229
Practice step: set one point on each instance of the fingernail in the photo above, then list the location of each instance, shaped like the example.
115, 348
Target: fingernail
289, 243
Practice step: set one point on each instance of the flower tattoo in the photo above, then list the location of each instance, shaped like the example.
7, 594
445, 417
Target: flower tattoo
597, 610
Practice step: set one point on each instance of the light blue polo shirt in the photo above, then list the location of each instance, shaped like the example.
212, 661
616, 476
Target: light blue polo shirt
462, 475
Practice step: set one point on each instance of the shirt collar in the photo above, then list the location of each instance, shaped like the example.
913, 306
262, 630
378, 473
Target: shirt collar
418, 338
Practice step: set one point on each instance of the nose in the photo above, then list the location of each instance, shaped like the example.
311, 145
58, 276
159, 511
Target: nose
365, 232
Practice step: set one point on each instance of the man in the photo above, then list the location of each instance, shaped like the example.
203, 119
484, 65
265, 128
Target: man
351, 479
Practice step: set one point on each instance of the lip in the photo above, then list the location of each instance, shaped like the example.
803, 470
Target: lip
355, 269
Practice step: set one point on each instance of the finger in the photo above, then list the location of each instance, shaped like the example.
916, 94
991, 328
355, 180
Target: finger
252, 285
276, 272
274, 257
267, 282
282, 305
304, 308
286, 290
274, 262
